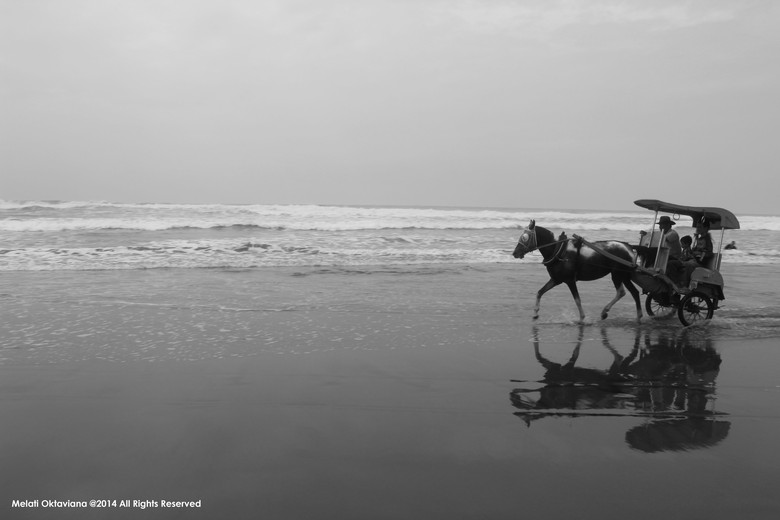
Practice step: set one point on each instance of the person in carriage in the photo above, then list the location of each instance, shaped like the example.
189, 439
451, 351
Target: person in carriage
687, 254
671, 238
702, 248
702, 251
674, 265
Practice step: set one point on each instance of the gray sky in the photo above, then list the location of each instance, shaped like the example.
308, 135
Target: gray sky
506, 103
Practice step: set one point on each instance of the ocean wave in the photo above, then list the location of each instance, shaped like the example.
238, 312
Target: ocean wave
252, 254
236, 254
75, 235
83, 225
49, 204
32, 216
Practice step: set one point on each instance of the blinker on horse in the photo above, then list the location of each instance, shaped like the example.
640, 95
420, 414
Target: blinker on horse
570, 260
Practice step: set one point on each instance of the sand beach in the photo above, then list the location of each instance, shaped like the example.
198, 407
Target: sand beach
379, 392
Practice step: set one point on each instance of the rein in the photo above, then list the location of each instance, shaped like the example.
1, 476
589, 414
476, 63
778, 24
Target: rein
534, 245
557, 252
554, 257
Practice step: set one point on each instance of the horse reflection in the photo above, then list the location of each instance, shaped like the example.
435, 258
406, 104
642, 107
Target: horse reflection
669, 380
569, 387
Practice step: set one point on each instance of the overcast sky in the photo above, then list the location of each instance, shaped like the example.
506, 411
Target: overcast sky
504, 103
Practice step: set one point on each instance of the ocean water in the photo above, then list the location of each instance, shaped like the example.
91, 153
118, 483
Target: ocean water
75, 262
394, 344
50, 236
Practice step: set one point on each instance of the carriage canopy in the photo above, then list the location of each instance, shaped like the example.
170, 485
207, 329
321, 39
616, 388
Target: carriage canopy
718, 218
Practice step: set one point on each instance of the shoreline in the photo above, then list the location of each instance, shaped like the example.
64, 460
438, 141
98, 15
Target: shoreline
115, 314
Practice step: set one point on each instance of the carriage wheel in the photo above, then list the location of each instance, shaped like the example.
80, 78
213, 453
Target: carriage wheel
695, 307
657, 309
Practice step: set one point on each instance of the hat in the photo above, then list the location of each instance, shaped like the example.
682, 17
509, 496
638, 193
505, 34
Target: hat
666, 220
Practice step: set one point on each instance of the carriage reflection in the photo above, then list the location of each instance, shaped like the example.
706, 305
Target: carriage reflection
666, 379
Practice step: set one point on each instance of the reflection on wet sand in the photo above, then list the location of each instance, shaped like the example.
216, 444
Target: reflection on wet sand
668, 379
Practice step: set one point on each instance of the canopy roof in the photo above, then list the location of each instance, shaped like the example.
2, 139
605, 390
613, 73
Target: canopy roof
677, 434
718, 218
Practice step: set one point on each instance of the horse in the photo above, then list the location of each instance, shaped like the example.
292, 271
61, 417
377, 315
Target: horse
570, 260
573, 388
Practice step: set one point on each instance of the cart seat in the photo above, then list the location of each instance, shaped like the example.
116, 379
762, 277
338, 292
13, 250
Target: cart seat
649, 242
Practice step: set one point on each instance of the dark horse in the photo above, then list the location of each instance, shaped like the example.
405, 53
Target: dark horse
571, 260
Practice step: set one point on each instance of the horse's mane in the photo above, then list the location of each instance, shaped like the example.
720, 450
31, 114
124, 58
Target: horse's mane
548, 234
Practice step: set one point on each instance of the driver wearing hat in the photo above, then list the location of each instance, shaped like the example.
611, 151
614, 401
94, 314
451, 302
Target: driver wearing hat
671, 238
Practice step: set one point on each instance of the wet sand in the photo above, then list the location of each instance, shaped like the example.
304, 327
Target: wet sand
377, 394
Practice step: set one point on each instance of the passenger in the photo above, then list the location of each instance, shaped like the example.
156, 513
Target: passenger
687, 258
702, 249
674, 267
685, 243
671, 238
701, 252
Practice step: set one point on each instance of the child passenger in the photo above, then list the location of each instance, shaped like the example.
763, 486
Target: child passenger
685, 243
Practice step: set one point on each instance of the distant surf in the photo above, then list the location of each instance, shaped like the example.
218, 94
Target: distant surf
51, 235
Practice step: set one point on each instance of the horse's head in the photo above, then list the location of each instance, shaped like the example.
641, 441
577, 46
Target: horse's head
527, 242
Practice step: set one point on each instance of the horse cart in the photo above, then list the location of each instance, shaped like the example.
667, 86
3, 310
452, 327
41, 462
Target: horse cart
691, 287
697, 288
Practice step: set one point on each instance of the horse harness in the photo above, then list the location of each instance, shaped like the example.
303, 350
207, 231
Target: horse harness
558, 254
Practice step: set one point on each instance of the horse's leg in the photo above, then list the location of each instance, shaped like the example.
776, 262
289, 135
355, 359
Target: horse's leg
576, 352
574, 355
619, 293
634, 351
549, 285
546, 363
617, 358
635, 294
576, 294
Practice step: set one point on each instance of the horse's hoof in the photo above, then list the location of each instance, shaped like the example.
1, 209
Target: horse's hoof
604, 315
536, 317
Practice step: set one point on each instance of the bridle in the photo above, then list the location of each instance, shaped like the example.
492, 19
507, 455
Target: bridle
533, 244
